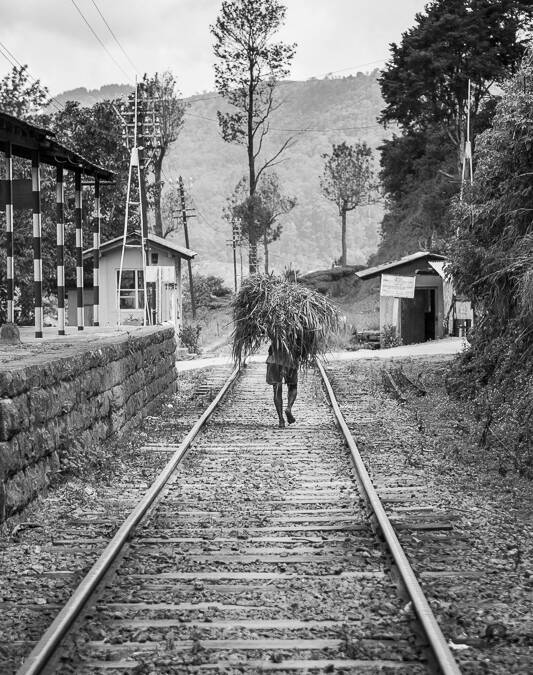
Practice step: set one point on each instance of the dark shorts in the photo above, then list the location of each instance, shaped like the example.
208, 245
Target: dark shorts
276, 374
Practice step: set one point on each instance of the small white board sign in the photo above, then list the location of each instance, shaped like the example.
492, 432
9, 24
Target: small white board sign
397, 287
463, 310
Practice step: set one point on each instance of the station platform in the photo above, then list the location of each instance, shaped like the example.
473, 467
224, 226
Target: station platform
52, 342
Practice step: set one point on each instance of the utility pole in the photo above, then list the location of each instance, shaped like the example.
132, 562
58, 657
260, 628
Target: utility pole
467, 156
186, 230
141, 130
138, 202
236, 240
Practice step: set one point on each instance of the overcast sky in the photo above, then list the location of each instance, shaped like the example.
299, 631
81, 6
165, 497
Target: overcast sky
51, 37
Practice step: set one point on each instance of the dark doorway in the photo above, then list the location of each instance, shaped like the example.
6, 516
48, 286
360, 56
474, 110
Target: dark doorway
152, 302
429, 315
418, 316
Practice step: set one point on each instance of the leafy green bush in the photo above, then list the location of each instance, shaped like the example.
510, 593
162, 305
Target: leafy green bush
206, 290
189, 336
390, 337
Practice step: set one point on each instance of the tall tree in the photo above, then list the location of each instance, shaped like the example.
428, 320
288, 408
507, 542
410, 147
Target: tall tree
21, 96
346, 180
250, 64
96, 133
261, 211
165, 109
425, 85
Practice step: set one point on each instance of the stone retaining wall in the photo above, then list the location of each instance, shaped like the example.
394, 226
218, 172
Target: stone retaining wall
88, 393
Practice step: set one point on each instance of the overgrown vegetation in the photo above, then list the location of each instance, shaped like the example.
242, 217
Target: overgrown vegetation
293, 317
390, 337
492, 263
208, 291
189, 336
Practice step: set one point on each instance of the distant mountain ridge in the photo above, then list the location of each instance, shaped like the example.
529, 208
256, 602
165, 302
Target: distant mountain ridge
88, 97
315, 113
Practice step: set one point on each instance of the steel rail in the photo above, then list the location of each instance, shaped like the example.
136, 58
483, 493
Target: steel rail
436, 639
41, 654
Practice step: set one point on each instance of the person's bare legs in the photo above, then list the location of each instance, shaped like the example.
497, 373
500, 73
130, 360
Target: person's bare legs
291, 397
278, 402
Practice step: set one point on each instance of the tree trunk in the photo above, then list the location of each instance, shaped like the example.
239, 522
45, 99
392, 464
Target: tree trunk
265, 248
158, 225
343, 236
461, 151
252, 240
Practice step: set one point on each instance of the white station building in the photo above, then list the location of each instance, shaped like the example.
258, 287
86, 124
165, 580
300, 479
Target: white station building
163, 283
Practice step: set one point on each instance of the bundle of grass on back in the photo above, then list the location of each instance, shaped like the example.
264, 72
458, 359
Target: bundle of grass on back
296, 319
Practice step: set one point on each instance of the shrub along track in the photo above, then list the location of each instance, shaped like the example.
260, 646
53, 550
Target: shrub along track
260, 556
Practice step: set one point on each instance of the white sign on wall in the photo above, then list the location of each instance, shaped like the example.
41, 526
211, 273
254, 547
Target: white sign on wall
397, 287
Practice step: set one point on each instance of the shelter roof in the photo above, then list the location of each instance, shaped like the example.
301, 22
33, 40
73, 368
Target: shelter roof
26, 138
371, 272
152, 239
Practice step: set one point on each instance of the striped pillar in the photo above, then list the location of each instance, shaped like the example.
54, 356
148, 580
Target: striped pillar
96, 253
60, 217
79, 249
37, 261
10, 260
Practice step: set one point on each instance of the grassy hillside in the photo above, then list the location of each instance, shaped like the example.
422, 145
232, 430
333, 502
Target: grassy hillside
316, 114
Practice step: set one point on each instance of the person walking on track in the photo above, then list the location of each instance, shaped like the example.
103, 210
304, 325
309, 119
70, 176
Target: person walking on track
282, 366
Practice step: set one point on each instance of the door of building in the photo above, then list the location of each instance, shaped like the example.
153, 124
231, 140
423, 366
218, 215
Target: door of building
430, 314
418, 316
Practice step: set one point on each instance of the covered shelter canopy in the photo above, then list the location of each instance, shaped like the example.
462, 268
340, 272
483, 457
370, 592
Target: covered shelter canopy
24, 139
19, 138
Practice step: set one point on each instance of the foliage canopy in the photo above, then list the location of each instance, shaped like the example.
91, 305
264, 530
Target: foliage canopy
19, 95
260, 211
425, 85
162, 92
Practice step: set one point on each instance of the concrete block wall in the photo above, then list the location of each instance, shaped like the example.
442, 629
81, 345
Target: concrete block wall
87, 394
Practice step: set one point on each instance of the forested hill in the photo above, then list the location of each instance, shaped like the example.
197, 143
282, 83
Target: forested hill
316, 113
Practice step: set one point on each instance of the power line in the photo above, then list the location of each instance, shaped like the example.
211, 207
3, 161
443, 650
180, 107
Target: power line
292, 82
307, 130
11, 55
115, 37
286, 83
16, 62
99, 40
6, 57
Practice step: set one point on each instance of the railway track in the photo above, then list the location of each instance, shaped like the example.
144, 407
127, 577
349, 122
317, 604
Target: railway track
254, 551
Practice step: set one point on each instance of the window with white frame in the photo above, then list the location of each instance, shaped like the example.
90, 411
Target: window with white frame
131, 294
